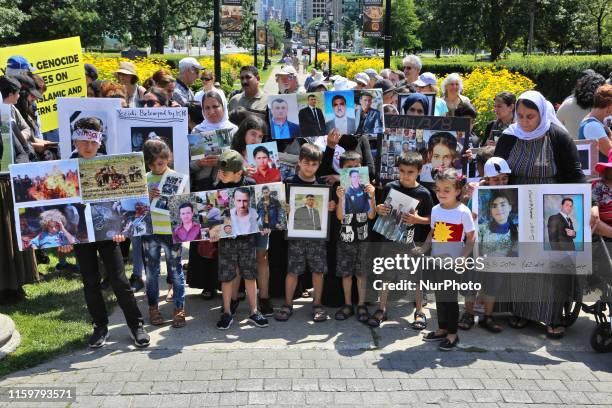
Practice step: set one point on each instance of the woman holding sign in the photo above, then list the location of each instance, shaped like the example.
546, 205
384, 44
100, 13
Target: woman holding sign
539, 150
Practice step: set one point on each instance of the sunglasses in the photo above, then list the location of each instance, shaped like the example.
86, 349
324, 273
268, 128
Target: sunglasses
206, 79
149, 103
407, 68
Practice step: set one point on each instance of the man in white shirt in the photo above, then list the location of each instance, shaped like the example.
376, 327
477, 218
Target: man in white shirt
340, 121
244, 218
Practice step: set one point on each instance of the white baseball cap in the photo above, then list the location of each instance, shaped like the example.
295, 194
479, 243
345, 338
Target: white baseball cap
287, 70
496, 166
425, 79
363, 78
188, 63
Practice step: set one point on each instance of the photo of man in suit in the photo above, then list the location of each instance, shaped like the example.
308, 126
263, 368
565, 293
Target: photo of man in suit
307, 217
561, 231
312, 121
340, 121
370, 120
280, 126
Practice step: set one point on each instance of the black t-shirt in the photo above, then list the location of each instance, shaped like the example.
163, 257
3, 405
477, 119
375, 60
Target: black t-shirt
354, 226
423, 209
295, 179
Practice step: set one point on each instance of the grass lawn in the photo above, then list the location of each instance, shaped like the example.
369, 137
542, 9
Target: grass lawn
52, 320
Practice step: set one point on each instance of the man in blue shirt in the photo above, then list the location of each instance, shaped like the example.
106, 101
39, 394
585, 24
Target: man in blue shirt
281, 127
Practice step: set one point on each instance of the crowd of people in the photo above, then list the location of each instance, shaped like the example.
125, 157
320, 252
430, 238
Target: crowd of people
527, 143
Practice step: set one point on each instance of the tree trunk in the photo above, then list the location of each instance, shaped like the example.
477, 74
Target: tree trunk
157, 41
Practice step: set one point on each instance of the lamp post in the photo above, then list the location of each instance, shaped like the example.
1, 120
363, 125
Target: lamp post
254, 14
217, 38
330, 41
387, 25
317, 27
309, 47
265, 66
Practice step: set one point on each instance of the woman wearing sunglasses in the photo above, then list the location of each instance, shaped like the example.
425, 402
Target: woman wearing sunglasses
208, 84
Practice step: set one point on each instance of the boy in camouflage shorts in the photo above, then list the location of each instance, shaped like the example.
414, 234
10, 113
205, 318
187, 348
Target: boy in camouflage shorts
306, 253
354, 208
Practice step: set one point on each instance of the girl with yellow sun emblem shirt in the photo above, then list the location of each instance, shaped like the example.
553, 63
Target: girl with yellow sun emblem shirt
452, 235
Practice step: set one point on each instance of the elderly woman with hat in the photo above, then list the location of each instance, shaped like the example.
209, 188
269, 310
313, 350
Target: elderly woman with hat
127, 76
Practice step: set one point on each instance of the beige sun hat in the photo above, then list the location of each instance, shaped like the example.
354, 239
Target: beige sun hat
127, 68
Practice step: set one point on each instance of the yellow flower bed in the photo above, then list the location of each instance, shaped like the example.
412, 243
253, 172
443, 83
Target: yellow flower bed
145, 67
482, 84
362, 64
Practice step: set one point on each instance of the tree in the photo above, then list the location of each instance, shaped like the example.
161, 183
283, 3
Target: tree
246, 33
404, 23
277, 32
598, 11
11, 19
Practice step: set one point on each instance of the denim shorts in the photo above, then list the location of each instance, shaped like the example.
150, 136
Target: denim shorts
262, 242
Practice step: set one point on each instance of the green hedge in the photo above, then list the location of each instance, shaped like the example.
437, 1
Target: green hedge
554, 76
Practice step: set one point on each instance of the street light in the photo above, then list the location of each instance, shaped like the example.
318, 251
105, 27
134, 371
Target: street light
254, 14
266, 61
317, 28
330, 41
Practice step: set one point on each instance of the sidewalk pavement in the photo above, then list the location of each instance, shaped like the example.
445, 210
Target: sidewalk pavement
301, 363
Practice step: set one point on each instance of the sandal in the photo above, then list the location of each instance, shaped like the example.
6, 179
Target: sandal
319, 314
363, 315
344, 312
555, 332
207, 294
518, 322
178, 320
155, 316
420, 321
284, 313
466, 322
490, 324
377, 318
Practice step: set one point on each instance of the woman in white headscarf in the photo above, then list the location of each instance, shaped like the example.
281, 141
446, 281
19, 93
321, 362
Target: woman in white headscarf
215, 118
539, 150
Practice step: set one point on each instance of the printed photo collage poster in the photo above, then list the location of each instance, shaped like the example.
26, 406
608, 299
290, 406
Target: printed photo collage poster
74, 201
391, 225
227, 213
315, 114
439, 139
534, 228
6, 138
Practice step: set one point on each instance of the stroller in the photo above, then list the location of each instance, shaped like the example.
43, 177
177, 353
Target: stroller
601, 337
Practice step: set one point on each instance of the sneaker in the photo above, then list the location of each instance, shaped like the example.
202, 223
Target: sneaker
225, 322
136, 283
98, 337
432, 336
258, 319
447, 345
140, 336
265, 307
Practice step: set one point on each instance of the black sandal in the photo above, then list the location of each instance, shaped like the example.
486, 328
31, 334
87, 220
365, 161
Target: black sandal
490, 324
363, 315
419, 324
551, 334
466, 322
518, 322
284, 313
377, 318
344, 312
318, 314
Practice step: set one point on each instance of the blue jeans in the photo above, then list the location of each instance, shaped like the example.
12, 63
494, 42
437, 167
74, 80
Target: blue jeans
152, 246
137, 259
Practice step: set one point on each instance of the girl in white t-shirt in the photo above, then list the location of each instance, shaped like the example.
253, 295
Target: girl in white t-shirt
451, 236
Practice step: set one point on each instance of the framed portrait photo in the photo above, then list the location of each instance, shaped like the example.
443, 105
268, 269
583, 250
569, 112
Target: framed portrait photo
309, 215
588, 154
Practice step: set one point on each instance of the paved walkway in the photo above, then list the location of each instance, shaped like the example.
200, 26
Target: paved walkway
333, 363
